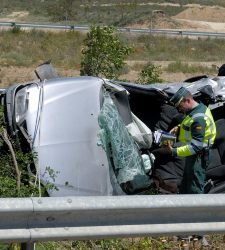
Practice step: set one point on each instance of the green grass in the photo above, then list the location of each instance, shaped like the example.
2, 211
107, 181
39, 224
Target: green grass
178, 66
144, 243
158, 48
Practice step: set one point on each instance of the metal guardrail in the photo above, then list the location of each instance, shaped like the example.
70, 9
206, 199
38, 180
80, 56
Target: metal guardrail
44, 26
120, 29
40, 219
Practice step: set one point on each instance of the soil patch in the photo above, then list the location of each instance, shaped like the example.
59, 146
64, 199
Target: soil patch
195, 17
15, 16
203, 13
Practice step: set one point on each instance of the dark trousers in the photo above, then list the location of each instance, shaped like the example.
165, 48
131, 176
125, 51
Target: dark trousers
194, 174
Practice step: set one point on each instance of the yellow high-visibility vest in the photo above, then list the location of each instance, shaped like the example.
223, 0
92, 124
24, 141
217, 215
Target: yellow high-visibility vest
207, 132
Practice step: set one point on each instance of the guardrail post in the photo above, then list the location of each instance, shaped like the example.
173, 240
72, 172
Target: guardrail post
28, 246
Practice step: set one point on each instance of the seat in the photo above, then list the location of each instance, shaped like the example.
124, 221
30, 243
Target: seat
169, 118
216, 169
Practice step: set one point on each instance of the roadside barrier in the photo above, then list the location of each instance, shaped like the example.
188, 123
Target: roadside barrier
66, 218
168, 32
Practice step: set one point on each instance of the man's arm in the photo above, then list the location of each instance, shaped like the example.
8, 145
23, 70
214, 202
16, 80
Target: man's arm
197, 142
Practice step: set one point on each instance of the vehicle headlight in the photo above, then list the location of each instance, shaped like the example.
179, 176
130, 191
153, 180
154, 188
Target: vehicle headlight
21, 101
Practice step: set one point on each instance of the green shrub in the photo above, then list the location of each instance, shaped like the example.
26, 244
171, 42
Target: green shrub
15, 29
150, 74
104, 53
16, 179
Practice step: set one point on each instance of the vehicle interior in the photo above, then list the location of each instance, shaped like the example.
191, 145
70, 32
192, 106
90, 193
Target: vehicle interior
154, 110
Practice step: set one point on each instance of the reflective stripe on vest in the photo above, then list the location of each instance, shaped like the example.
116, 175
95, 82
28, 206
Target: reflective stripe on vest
185, 133
185, 128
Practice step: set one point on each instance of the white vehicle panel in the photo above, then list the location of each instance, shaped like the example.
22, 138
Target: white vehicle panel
65, 113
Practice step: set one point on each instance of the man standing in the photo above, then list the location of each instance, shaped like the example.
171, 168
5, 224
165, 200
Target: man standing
197, 133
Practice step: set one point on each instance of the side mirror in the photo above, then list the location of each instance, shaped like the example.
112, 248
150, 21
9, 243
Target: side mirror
46, 71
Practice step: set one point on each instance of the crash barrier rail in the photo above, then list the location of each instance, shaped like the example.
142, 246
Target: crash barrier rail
30, 220
125, 29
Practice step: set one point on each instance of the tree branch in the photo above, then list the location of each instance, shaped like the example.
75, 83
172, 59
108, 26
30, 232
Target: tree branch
5, 137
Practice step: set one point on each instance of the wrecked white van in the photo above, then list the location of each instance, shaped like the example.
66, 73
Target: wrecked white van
98, 134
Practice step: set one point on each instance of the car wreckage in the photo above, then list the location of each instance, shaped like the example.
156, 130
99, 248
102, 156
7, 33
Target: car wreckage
97, 134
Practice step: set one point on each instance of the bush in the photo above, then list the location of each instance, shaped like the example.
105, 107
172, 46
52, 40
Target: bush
15, 29
150, 74
104, 53
15, 178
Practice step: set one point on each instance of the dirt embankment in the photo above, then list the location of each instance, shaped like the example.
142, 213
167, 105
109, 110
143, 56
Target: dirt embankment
195, 17
203, 18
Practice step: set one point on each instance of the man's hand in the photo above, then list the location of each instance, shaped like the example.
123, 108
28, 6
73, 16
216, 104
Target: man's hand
174, 130
168, 146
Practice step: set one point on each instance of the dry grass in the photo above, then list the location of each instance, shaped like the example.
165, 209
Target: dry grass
23, 48
22, 51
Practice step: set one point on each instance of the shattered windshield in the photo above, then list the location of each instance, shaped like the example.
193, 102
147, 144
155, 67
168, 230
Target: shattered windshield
122, 152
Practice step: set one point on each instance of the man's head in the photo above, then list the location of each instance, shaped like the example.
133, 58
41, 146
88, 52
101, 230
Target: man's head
183, 100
